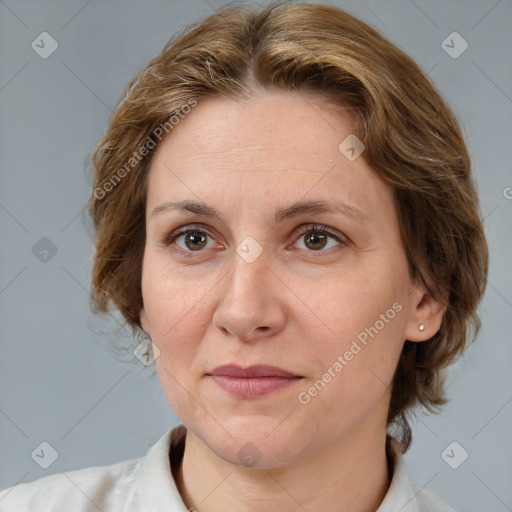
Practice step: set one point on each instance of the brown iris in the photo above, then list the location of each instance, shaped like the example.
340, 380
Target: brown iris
317, 240
197, 239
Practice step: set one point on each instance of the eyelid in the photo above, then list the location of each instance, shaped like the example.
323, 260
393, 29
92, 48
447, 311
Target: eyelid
306, 228
169, 237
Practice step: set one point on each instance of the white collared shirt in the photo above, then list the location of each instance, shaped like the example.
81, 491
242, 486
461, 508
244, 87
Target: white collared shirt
147, 484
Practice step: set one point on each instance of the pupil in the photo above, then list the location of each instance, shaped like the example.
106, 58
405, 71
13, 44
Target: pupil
317, 238
197, 239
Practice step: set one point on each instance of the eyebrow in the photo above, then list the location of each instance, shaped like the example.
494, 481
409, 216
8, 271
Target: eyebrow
299, 208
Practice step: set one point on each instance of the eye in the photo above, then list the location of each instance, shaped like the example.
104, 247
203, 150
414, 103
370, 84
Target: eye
315, 238
190, 240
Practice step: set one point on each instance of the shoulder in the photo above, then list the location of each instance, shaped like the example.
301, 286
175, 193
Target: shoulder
92, 488
429, 501
128, 486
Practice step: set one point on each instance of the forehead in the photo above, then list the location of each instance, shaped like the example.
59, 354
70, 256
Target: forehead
278, 145
274, 122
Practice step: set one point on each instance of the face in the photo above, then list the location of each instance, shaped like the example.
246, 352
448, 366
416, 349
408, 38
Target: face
323, 293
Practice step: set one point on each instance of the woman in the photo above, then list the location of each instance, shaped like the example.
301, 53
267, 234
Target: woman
283, 204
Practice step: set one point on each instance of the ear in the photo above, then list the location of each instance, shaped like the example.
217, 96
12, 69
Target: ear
425, 311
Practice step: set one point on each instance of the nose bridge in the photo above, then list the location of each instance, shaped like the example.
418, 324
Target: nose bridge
248, 274
250, 259
249, 305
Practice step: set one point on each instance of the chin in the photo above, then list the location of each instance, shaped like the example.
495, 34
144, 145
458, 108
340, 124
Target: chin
257, 455
251, 443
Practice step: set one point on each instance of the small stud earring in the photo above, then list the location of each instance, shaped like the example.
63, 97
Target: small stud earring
421, 327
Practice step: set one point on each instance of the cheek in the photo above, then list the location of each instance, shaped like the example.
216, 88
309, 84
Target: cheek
346, 303
354, 369
363, 321
171, 299
175, 309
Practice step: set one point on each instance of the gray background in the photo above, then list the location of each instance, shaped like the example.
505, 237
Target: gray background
59, 380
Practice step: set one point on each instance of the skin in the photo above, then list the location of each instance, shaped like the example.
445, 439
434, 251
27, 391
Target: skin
295, 306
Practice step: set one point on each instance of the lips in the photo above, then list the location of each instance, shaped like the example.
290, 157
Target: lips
231, 370
252, 382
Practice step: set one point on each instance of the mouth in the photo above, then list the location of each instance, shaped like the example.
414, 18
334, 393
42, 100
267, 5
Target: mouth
252, 382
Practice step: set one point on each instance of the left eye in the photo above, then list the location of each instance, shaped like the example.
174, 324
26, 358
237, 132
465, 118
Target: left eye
316, 238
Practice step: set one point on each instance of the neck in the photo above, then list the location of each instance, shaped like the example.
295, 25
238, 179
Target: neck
350, 475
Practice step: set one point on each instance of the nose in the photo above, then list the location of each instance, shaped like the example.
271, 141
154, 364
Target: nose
251, 304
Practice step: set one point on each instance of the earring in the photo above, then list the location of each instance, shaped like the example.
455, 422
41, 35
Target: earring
421, 327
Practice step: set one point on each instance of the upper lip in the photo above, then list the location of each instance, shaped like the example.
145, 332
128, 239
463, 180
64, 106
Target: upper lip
232, 370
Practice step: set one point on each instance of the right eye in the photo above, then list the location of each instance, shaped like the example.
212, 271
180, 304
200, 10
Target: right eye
190, 240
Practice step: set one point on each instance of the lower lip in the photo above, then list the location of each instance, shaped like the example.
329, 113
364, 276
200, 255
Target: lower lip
249, 387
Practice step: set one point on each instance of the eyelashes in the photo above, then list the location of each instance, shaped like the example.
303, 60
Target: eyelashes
324, 233
199, 235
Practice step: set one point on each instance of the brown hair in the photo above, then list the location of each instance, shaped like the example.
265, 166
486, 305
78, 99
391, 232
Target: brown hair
413, 142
